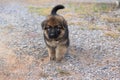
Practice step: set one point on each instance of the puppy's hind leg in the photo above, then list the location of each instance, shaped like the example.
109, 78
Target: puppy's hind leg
51, 53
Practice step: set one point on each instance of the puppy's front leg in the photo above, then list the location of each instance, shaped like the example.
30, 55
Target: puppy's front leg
60, 52
51, 53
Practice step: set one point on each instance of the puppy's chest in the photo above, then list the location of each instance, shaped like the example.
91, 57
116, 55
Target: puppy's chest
53, 43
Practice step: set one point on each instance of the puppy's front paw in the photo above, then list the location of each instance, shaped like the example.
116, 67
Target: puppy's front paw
52, 58
58, 60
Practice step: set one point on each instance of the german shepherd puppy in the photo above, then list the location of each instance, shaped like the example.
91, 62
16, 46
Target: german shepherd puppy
56, 34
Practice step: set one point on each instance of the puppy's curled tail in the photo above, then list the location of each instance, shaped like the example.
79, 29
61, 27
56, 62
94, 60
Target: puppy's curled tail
56, 8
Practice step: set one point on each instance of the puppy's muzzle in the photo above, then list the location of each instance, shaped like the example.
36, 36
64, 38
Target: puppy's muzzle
53, 34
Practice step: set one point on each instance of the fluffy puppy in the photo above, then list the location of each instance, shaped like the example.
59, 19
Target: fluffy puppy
56, 34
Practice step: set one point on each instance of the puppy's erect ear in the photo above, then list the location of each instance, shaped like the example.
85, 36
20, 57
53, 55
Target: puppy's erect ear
43, 24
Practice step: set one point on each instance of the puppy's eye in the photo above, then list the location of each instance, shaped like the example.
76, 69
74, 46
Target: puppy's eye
58, 29
48, 28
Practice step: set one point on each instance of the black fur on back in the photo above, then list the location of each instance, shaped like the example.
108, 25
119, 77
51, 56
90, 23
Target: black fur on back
56, 8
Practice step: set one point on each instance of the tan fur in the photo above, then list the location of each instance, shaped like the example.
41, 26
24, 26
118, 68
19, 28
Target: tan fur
62, 33
60, 52
51, 53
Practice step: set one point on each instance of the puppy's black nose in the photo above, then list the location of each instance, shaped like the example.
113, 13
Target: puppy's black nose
52, 35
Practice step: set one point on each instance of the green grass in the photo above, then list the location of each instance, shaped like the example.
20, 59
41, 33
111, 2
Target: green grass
101, 8
82, 8
76, 8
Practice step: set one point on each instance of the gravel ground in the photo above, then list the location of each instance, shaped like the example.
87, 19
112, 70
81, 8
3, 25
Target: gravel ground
92, 55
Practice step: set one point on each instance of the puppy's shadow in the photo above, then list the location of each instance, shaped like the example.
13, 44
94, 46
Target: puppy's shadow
42, 54
73, 52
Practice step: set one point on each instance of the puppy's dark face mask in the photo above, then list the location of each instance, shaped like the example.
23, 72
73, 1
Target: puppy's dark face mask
54, 27
53, 31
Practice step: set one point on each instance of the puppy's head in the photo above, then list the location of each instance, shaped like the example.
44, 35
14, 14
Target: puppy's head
54, 26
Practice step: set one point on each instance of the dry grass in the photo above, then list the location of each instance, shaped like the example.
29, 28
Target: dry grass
41, 11
110, 19
112, 34
63, 72
49, 2
118, 28
95, 27
37, 2
77, 22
